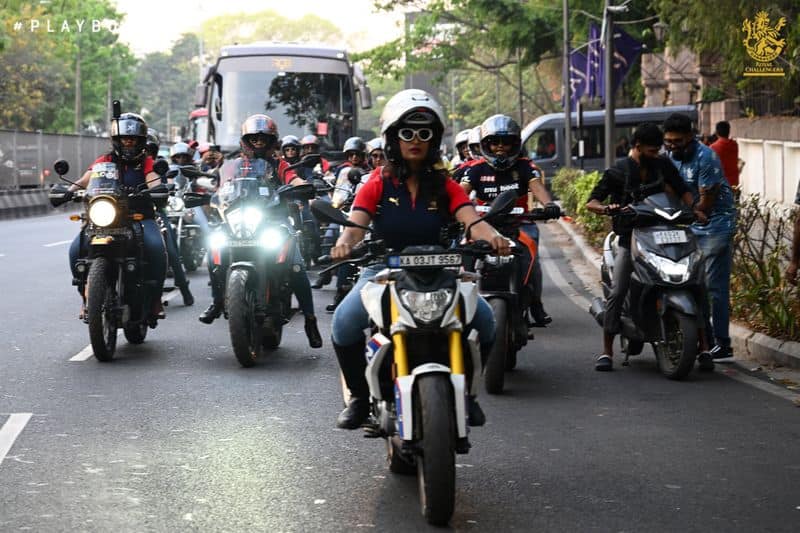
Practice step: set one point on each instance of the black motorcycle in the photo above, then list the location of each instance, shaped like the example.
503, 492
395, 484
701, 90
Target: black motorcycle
255, 244
504, 284
189, 236
111, 275
662, 305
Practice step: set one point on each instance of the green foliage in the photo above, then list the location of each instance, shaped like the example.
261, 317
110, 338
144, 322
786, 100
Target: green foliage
573, 188
760, 295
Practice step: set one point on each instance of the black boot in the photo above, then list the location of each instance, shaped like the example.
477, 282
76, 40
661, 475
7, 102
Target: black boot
188, 299
314, 338
475, 415
322, 280
341, 292
353, 364
212, 313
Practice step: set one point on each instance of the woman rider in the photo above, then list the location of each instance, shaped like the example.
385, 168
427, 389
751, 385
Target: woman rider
407, 201
128, 138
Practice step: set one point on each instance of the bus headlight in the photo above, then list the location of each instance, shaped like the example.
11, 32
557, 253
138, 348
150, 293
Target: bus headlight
102, 213
426, 306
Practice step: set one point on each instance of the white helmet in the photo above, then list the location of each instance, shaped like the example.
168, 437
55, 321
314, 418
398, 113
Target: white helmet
474, 141
461, 137
405, 103
180, 149
375, 144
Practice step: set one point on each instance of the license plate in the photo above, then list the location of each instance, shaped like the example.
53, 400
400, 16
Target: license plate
670, 237
425, 260
109, 231
242, 243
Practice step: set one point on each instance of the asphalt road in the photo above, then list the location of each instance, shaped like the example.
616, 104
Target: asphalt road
174, 436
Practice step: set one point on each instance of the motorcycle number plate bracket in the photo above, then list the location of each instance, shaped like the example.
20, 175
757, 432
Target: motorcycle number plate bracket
670, 237
242, 243
423, 260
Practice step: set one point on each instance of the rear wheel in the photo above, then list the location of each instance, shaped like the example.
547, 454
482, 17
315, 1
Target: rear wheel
630, 346
436, 466
135, 333
495, 366
100, 305
245, 334
678, 350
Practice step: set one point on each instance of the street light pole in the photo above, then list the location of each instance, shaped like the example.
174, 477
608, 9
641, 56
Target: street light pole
567, 92
608, 84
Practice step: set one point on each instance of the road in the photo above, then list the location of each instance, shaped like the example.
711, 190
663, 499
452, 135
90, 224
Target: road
174, 436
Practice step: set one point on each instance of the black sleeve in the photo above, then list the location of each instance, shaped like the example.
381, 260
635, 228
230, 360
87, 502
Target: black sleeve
603, 188
673, 178
525, 176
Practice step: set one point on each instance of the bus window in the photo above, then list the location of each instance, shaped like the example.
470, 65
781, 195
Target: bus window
544, 144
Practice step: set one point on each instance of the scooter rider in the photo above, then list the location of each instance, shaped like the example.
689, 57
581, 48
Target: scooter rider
258, 141
461, 148
407, 201
501, 168
129, 139
643, 173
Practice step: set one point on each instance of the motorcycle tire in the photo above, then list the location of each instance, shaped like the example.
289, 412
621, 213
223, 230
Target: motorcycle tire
630, 346
494, 368
436, 464
676, 355
245, 333
135, 333
398, 464
271, 334
188, 259
100, 300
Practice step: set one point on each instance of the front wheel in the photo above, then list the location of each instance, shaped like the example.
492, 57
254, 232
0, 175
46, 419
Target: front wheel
100, 306
678, 350
271, 333
135, 333
436, 465
240, 304
495, 365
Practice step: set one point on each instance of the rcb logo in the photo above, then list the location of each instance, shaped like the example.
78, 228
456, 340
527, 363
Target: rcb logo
763, 43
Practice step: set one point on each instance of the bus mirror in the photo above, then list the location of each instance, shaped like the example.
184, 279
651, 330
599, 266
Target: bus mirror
200, 92
365, 95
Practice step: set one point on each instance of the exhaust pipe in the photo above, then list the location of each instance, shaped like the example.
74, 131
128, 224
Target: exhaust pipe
598, 310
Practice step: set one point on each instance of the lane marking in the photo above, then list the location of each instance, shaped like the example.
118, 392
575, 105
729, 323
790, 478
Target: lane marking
760, 384
561, 282
11, 430
59, 243
83, 355
172, 294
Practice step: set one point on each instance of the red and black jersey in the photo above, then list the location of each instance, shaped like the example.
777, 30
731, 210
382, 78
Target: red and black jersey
488, 182
458, 173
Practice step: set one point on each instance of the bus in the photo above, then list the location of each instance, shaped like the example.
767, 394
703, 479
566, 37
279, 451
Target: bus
198, 124
306, 89
543, 138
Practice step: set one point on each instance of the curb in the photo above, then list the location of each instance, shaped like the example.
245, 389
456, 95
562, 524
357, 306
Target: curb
757, 346
18, 204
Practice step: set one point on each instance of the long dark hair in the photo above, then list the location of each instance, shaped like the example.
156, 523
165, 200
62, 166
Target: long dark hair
432, 176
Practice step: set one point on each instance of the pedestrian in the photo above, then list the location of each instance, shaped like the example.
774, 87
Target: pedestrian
700, 169
794, 260
728, 151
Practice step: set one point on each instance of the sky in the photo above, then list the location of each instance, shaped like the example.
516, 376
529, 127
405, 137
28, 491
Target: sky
153, 25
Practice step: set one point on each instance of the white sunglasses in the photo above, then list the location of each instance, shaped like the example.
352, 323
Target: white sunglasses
408, 134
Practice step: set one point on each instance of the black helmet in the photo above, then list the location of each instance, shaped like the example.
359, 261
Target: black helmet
355, 144
255, 125
499, 127
152, 143
129, 125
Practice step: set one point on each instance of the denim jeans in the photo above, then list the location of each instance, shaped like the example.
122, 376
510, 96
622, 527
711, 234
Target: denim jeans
718, 255
351, 318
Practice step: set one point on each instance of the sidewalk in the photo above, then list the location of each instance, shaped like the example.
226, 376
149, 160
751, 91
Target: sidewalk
748, 346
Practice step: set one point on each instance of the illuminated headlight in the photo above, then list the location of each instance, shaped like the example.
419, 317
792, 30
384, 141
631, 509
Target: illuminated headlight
670, 271
102, 213
217, 240
271, 238
426, 306
243, 222
176, 204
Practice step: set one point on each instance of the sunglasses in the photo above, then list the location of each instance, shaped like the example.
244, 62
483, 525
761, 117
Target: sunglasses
501, 141
408, 134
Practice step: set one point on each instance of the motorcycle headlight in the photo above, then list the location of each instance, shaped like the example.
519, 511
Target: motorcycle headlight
176, 204
217, 240
426, 306
243, 222
102, 213
271, 238
670, 271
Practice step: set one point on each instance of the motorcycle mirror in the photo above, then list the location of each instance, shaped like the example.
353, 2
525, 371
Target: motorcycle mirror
326, 212
299, 192
195, 199
307, 160
61, 167
160, 167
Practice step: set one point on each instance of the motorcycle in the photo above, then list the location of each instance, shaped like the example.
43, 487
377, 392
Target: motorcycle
661, 306
190, 239
254, 243
504, 284
418, 357
117, 296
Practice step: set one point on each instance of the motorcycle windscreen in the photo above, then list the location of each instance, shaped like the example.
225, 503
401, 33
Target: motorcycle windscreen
243, 180
343, 187
103, 179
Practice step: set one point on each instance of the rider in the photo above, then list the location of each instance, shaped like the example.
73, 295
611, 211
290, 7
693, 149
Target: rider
290, 149
473, 154
309, 144
408, 201
642, 173
502, 168
135, 167
258, 141
462, 150
210, 157
375, 153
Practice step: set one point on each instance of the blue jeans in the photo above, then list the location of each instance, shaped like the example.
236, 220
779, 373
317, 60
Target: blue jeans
154, 251
351, 318
718, 253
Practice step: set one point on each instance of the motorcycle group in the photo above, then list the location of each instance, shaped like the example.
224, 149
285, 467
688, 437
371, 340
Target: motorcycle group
438, 276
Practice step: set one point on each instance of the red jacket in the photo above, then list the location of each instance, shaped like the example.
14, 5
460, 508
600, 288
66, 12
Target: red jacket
728, 152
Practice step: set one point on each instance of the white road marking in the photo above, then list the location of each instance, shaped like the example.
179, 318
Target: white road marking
560, 281
172, 294
83, 355
11, 430
59, 243
775, 390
